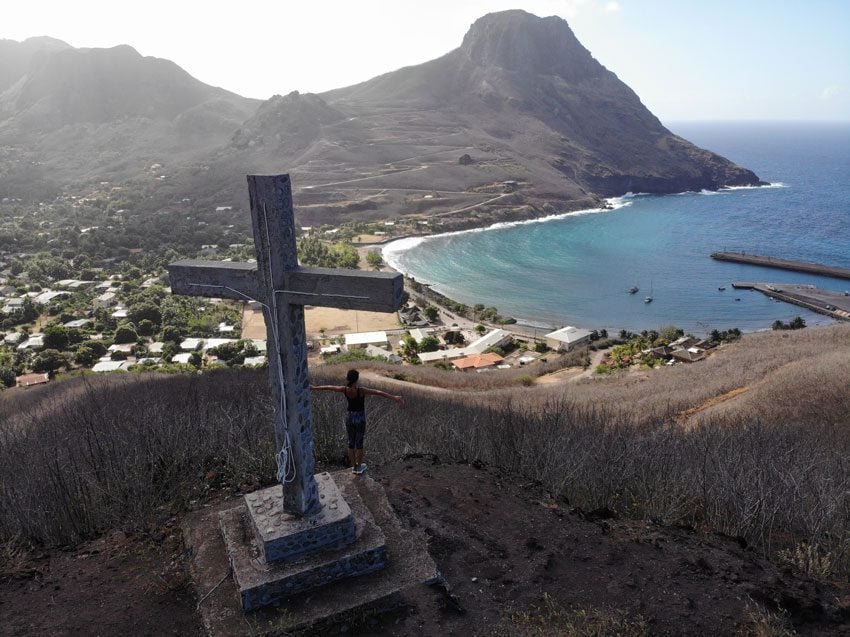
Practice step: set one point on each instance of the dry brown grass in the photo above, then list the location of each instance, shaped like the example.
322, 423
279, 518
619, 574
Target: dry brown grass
90, 455
454, 380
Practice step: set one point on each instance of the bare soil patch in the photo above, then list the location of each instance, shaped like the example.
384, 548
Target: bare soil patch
514, 560
117, 585
332, 320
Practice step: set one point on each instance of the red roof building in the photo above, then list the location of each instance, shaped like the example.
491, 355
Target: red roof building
478, 361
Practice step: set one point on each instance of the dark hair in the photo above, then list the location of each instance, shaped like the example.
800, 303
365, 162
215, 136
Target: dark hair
352, 376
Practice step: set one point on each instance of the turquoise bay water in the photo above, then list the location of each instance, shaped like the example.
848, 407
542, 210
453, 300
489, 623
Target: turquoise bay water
576, 270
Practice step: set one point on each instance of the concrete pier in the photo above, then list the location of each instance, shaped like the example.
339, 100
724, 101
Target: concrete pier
828, 302
783, 264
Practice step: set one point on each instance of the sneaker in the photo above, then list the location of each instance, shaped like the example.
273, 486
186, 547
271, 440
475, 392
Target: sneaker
363, 468
355, 470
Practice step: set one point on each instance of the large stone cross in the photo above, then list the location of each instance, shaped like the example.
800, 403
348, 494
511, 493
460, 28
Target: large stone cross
283, 288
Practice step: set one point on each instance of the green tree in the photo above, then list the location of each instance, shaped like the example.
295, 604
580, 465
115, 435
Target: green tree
431, 313
49, 360
125, 334
171, 334
409, 346
146, 311
85, 356
374, 259
56, 337
145, 327
8, 377
98, 347
429, 344
453, 337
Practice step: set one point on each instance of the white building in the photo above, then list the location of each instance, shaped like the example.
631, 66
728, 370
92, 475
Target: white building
35, 341
419, 333
567, 338
496, 338
360, 340
107, 299
111, 366
191, 344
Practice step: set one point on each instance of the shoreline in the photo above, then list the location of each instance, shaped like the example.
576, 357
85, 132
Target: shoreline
391, 248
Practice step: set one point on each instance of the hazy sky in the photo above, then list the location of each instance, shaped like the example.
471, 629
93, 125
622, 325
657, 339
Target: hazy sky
686, 59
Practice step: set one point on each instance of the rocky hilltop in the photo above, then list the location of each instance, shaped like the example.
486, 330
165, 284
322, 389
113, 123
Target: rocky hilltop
519, 121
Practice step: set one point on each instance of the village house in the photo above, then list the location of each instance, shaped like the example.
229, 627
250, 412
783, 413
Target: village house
47, 296
360, 340
111, 366
567, 338
28, 380
418, 334
495, 338
191, 344
77, 323
105, 300
35, 341
377, 352
13, 338
689, 355
478, 362
13, 305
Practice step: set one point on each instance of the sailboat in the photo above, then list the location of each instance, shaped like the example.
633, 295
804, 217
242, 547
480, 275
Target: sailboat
633, 289
648, 299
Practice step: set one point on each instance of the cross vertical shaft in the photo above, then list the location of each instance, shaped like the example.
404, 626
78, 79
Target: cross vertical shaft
273, 222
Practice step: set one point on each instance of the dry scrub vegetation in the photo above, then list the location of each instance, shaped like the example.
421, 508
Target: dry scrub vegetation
772, 467
485, 381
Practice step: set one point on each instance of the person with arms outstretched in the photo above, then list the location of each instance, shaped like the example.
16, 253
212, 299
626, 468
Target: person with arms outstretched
355, 420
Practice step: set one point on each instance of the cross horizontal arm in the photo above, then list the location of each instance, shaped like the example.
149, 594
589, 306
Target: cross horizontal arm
215, 279
325, 287
345, 289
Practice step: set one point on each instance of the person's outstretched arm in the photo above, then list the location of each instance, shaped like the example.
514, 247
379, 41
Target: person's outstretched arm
378, 392
327, 388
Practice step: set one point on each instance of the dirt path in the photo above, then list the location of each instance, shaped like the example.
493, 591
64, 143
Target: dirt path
686, 416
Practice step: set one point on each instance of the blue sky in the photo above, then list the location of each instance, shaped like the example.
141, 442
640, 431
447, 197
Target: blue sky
687, 59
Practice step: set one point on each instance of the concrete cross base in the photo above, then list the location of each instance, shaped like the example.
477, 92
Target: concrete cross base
283, 538
262, 584
408, 566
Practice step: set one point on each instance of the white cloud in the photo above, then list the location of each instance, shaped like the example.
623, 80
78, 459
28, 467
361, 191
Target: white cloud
831, 92
611, 7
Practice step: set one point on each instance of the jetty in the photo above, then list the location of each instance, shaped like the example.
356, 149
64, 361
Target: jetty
783, 264
834, 304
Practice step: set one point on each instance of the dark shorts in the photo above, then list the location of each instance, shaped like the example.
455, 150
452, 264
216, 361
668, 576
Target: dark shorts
355, 427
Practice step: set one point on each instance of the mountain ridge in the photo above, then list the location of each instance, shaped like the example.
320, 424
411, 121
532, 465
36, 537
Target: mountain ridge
520, 101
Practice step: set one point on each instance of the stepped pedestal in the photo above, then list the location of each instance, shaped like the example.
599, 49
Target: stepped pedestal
275, 555
293, 572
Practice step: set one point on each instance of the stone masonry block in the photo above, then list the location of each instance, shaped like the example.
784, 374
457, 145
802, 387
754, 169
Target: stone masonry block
282, 537
260, 584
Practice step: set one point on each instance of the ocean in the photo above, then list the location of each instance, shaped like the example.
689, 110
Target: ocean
577, 269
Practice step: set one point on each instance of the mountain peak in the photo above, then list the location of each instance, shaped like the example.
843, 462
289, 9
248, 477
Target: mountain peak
519, 41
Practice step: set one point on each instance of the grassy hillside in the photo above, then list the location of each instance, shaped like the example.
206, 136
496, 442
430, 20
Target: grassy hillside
753, 443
